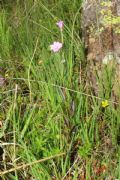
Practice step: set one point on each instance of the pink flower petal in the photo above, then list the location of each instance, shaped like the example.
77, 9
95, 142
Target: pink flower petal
60, 24
56, 46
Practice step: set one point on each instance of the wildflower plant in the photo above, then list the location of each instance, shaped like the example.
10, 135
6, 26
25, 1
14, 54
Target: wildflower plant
55, 47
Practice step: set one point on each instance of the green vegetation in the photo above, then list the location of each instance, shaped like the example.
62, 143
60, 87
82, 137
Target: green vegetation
46, 104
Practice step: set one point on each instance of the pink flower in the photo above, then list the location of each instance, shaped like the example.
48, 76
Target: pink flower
60, 24
56, 46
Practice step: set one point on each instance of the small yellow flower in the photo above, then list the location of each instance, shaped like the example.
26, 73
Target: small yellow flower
105, 103
6, 75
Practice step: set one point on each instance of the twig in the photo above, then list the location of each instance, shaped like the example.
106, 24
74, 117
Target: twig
31, 163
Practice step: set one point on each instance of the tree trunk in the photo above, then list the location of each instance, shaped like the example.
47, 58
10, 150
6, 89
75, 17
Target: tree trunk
101, 35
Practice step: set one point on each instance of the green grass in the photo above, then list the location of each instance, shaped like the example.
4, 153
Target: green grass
46, 106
